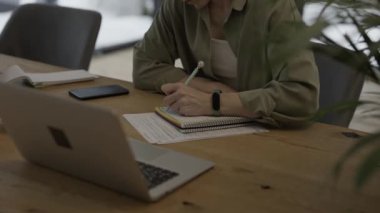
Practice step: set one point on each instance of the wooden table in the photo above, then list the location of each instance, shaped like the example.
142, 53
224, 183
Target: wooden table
278, 171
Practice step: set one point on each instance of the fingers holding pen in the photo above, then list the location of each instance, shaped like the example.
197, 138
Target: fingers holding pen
186, 100
177, 105
170, 88
171, 99
174, 92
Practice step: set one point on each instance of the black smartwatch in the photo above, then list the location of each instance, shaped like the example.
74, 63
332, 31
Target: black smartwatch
215, 101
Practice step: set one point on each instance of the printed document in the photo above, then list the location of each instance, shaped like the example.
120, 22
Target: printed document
156, 130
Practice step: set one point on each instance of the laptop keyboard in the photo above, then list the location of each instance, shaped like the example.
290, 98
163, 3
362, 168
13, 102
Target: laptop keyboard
155, 175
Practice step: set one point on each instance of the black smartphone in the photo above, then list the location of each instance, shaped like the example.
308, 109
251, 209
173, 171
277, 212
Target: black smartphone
98, 92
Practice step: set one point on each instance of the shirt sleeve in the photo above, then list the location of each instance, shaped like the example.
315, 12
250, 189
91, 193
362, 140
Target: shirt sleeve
154, 56
291, 97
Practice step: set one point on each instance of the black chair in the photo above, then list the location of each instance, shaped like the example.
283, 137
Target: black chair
338, 83
51, 34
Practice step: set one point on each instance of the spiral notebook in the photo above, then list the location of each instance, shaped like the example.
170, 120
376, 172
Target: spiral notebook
186, 124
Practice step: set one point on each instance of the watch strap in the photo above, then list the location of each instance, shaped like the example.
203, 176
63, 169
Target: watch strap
215, 101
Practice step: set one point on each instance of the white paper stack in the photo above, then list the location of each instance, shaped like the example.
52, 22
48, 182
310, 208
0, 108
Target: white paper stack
15, 74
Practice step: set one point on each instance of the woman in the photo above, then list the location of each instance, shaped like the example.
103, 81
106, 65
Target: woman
229, 37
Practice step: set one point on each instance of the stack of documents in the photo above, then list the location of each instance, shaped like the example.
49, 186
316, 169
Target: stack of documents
189, 124
15, 74
157, 130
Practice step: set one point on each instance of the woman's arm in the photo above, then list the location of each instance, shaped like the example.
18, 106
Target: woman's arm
207, 85
154, 56
192, 102
290, 95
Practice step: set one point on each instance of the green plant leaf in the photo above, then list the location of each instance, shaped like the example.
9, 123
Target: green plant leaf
373, 51
357, 60
367, 168
339, 107
364, 142
364, 57
362, 16
328, 3
370, 21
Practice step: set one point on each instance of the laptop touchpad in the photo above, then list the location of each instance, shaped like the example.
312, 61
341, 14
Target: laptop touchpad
145, 152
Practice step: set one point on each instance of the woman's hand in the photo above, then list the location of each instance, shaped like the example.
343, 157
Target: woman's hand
189, 101
186, 100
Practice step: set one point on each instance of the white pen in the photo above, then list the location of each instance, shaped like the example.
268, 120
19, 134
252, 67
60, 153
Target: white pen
195, 71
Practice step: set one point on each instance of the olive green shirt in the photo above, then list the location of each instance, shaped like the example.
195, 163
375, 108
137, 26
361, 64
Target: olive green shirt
282, 95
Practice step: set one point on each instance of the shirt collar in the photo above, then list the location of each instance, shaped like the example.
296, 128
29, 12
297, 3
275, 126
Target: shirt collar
237, 5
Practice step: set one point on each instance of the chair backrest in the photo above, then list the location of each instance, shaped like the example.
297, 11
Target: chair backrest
338, 83
51, 34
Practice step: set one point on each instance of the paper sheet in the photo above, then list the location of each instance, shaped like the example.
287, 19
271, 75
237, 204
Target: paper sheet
158, 131
12, 74
15, 74
70, 76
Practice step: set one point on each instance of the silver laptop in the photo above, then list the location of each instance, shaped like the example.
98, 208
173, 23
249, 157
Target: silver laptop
88, 142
